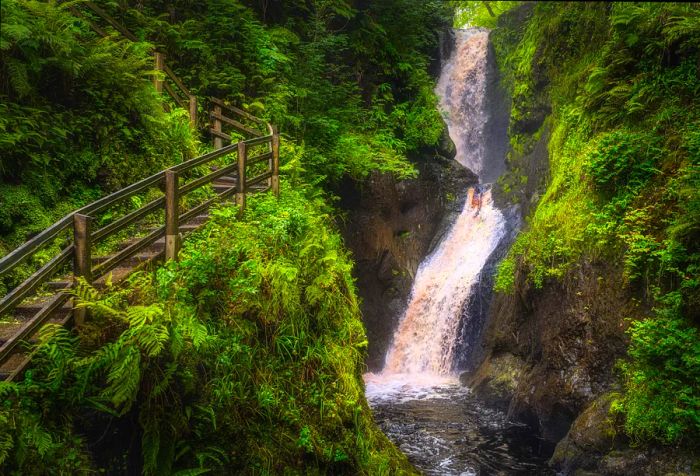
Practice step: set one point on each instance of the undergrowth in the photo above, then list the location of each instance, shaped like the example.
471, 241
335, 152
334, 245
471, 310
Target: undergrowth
624, 168
245, 357
78, 117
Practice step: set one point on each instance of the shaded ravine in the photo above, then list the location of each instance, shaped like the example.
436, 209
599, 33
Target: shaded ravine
417, 399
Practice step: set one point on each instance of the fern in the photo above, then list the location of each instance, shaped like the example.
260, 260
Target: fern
124, 378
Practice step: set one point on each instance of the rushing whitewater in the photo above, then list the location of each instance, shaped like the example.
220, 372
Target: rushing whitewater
426, 337
425, 341
462, 89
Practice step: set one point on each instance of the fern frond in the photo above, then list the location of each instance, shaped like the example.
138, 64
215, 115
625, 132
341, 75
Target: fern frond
40, 439
124, 378
139, 316
6, 444
151, 338
191, 328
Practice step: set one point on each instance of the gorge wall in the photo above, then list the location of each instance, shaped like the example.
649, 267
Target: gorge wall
552, 345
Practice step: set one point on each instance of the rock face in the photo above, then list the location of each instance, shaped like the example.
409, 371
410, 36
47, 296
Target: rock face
594, 447
549, 354
549, 361
560, 342
391, 226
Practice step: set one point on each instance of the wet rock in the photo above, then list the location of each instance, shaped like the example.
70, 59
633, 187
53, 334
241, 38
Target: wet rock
569, 334
496, 380
592, 435
653, 461
623, 462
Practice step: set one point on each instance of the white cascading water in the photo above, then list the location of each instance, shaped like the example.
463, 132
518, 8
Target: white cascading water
425, 340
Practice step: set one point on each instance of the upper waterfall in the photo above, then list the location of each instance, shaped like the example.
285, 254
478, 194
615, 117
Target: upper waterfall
462, 89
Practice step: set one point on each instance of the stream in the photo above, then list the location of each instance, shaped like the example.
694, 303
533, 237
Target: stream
417, 399
445, 431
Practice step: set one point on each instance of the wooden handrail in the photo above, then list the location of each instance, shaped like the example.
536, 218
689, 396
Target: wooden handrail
11, 299
80, 249
176, 80
235, 124
113, 23
237, 111
188, 102
17, 256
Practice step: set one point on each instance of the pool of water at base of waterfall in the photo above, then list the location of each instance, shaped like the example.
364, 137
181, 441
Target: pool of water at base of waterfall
444, 430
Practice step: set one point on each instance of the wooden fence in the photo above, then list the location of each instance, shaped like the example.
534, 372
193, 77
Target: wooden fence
173, 185
164, 80
176, 199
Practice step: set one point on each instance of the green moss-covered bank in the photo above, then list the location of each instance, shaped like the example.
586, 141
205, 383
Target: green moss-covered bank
600, 292
245, 357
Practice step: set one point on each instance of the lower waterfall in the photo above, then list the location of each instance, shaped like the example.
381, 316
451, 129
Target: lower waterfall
425, 341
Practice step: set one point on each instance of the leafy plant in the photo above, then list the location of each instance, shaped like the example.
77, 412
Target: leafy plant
245, 354
622, 182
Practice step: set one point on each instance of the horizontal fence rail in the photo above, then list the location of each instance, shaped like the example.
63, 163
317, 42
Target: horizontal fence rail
174, 199
166, 79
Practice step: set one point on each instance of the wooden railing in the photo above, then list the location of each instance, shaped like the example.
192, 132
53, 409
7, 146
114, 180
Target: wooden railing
172, 186
175, 194
223, 116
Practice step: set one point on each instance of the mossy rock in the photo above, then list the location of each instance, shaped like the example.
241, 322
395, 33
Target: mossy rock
497, 379
591, 435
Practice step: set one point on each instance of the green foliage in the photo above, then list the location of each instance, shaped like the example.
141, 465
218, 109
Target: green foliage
622, 86
78, 116
622, 160
349, 81
480, 14
245, 357
662, 377
505, 275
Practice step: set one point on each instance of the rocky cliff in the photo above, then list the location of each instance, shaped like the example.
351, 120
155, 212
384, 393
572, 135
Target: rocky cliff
553, 342
390, 227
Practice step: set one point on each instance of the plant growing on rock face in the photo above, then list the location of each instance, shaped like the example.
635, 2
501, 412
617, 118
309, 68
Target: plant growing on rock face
623, 182
662, 377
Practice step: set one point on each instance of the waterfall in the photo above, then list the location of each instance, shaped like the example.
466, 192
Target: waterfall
426, 338
417, 399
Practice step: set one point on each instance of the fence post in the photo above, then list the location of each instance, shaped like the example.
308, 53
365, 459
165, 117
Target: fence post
218, 141
172, 203
159, 66
193, 110
82, 259
240, 195
275, 162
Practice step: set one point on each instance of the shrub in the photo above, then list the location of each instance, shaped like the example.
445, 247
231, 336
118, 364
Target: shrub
624, 160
